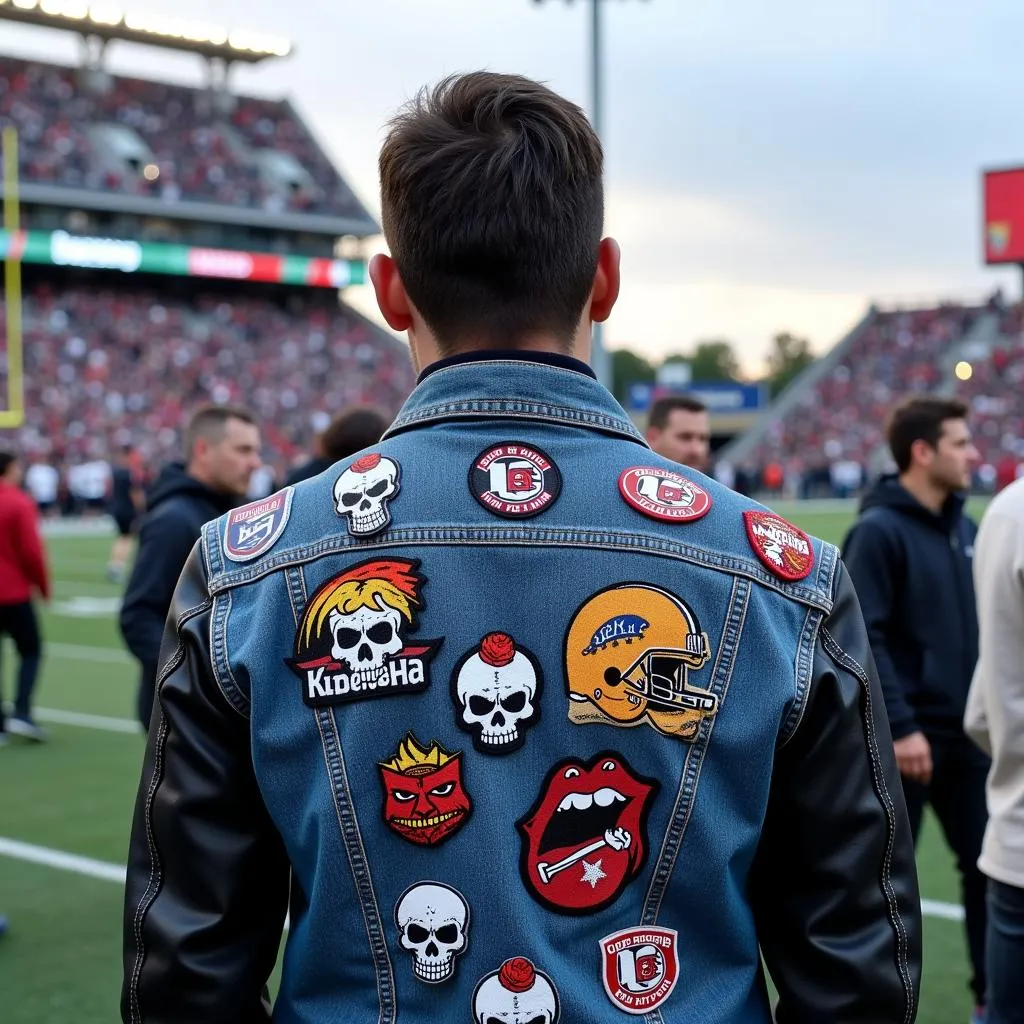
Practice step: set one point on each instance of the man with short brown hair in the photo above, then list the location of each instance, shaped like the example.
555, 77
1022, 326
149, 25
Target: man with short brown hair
222, 446
680, 429
910, 555
432, 714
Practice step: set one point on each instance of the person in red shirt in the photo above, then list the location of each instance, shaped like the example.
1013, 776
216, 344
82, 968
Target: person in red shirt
22, 573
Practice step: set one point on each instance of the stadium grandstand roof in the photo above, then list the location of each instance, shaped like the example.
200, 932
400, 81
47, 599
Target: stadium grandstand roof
105, 20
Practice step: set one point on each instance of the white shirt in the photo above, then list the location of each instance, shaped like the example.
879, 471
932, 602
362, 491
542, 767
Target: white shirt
995, 705
43, 482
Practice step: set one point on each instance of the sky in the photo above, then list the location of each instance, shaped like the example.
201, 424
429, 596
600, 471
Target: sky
770, 166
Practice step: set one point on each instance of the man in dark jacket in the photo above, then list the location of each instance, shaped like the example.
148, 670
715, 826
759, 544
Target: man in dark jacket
349, 432
223, 446
909, 554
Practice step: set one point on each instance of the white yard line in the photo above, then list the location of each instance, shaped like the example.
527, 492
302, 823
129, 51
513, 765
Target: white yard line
86, 652
102, 722
109, 872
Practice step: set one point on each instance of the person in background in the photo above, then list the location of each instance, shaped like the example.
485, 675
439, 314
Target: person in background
42, 480
223, 449
126, 504
679, 428
349, 432
23, 573
910, 556
995, 721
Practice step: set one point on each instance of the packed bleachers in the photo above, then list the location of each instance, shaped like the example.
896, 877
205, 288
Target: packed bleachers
106, 367
76, 136
842, 418
995, 391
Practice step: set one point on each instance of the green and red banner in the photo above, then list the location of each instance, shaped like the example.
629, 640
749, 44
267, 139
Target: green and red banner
61, 249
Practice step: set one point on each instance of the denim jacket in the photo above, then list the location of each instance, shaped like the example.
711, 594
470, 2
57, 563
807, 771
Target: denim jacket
517, 722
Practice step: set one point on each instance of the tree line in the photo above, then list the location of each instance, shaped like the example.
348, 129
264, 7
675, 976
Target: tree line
713, 361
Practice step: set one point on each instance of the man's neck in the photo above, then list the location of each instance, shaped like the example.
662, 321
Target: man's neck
928, 494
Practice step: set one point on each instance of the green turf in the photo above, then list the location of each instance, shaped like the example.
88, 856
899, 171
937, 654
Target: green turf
60, 961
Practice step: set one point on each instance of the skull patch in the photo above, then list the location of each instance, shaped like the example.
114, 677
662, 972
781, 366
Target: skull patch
363, 491
433, 925
496, 688
351, 642
516, 993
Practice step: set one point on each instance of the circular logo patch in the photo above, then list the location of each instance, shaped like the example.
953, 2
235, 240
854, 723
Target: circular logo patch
662, 494
514, 480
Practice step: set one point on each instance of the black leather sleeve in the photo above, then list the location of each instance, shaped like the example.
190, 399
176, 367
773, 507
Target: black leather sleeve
834, 883
207, 886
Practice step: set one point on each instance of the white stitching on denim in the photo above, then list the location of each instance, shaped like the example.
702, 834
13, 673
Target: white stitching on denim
805, 644
902, 939
153, 884
227, 658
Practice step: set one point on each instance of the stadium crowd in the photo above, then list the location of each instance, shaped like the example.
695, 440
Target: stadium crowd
829, 443
198, 152
109, 368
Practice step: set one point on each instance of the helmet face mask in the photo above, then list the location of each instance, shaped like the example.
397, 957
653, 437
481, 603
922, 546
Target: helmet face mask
629, 652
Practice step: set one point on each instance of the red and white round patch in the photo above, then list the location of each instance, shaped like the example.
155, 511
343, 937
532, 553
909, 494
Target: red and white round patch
784, 548
662, 494
514, 481
640, 967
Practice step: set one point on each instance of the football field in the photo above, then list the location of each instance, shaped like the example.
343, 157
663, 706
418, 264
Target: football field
65, 813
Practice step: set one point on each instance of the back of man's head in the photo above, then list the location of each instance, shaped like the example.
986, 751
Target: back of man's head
493, 205
920, 418
351, 431
8, 465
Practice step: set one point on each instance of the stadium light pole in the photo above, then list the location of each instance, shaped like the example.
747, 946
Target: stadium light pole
599, 360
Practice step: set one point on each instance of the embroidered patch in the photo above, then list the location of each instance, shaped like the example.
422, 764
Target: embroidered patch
433, 925
628, 654
585, 838
496, 688
425, 800
661, 494
640, 967
351, 642
362, 493
514, 480
516, 993
784, 549
255, 528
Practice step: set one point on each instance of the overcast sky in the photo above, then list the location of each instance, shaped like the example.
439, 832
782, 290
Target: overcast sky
770, 165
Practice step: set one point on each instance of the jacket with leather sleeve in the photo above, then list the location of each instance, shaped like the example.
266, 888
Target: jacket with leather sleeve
698, 766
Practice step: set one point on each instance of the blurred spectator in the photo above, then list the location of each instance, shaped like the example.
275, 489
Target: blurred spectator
348, 433
23, 574
105, 367
995, 721
223, 445
42, 480
126, 504
679, 429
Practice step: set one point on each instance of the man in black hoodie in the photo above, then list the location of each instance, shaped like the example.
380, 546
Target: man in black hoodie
909, 555
222, 444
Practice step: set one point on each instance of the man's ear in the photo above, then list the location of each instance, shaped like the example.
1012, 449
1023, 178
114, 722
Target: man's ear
391, 297
606, 280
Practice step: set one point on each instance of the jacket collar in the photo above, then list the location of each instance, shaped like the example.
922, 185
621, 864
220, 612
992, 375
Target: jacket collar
494, 385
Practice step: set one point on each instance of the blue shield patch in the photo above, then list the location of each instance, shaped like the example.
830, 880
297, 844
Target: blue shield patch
255, 528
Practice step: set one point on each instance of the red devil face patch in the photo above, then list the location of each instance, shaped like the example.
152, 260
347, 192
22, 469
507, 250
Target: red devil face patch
585, 838
424, 799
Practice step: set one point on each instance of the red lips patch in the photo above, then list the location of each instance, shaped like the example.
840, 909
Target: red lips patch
585, 838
